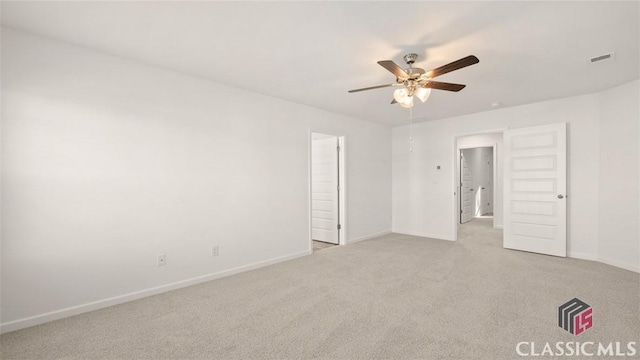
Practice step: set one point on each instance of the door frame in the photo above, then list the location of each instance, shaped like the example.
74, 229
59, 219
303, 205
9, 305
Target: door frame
456, 175
342, 179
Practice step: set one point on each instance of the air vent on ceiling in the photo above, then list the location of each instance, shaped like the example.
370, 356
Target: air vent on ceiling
605, 57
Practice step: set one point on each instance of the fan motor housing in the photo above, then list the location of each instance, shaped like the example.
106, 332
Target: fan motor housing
414, 71
410, 58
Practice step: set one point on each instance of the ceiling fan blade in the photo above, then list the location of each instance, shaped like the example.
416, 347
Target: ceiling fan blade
373, 87
394, 68
443, 86
458, 64
393, 101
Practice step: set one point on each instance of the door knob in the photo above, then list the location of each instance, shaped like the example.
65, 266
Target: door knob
560, 196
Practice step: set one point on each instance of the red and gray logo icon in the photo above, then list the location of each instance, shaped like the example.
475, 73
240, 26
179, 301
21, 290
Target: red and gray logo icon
575, 316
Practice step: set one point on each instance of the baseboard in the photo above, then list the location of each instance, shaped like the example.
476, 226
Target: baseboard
581, 256
608, 261
420, 234
367, 237
498, 226
620, 264
95, 305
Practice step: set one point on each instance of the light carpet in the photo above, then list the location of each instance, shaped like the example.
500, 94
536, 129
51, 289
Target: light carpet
319, 245
392, 297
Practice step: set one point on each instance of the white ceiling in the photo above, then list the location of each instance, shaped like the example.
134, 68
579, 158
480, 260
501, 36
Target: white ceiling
313, 52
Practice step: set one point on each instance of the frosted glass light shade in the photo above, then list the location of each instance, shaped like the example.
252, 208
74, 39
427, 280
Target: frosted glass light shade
423, 94
403, 97
400, 95
407, 103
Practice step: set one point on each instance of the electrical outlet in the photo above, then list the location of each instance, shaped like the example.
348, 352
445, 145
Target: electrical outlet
162, 260
214, 250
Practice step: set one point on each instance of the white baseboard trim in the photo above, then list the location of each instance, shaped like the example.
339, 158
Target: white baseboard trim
608, 261
95, 305
620, 264
498, 226
582, 256
367, 237
431, 236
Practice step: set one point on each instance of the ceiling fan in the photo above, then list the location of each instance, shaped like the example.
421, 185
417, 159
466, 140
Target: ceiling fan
416, 81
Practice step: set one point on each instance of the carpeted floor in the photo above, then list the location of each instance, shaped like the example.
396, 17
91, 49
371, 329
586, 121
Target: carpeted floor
320, 245
392, 297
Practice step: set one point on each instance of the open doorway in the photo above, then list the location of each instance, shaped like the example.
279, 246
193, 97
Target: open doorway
327, 190
478, 180
476, 183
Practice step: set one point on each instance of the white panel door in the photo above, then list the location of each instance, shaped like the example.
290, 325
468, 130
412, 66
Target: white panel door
466, 192
535, 187
324, 190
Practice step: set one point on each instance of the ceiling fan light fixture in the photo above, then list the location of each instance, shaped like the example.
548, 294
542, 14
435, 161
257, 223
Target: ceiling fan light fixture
400, 94
415, 81
423, 93
403, 97
407, 103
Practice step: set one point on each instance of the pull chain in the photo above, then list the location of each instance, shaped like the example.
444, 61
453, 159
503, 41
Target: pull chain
411, 129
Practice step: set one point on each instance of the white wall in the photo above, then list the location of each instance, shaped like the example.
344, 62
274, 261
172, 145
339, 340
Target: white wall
107, 163
427, 208
483, 140
619, 176
424, 207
